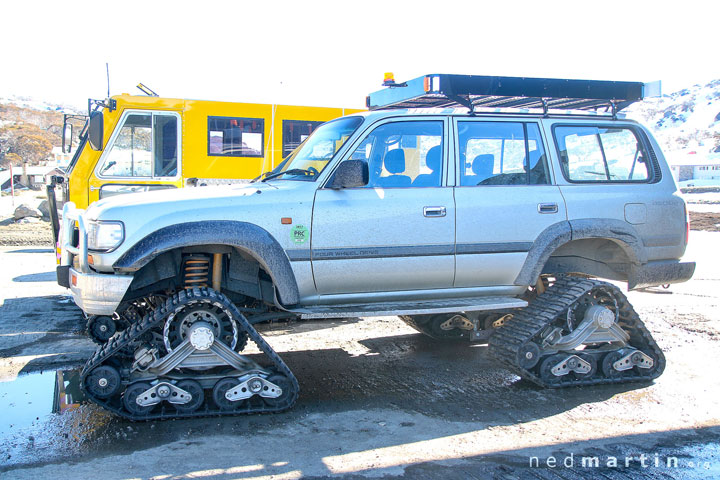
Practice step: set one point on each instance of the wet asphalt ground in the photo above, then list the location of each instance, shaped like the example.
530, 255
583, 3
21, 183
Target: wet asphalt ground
377, 400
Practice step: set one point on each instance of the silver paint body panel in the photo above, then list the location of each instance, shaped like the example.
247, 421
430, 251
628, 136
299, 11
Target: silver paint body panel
376, 245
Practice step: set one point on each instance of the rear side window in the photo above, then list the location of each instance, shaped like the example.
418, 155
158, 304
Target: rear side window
501, 153
602, 154
235, 137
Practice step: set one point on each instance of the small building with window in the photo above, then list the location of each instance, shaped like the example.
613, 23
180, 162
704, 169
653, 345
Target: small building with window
695, 166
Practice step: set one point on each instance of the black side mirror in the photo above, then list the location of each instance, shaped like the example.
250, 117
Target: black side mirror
350, 173
95, 131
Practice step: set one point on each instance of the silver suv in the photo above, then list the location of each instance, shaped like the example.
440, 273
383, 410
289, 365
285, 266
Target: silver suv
473, 223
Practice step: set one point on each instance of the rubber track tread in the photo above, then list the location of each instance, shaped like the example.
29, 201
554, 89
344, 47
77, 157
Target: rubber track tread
107, 352
527, 323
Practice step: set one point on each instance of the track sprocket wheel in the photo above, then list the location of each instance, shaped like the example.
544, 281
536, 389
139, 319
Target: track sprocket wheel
178, 325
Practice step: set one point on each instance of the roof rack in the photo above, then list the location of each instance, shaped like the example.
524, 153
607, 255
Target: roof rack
477, 91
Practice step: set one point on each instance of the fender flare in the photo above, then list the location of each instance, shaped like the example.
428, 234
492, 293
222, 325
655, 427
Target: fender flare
249, 238
558, 234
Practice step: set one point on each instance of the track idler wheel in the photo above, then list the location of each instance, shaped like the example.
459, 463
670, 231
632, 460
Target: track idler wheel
103, 382
101, 328
528, 355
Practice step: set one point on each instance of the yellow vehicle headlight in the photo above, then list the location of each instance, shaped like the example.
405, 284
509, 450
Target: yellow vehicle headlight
105, 236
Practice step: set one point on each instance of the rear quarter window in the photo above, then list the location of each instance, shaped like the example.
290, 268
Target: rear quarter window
603, 154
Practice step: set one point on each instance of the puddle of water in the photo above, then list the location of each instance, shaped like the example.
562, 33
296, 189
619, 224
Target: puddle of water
25, 401
44, 412
32, 398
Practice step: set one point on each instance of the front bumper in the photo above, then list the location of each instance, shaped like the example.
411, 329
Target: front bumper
660, 273
97, 293
94, 293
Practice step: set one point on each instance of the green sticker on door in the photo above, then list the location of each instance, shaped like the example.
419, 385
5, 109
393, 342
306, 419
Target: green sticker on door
299, 234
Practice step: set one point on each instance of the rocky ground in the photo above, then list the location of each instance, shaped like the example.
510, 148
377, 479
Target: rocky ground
32, 231
377, 400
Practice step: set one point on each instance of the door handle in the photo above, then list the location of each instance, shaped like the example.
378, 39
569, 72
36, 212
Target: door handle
434, 211
547, 207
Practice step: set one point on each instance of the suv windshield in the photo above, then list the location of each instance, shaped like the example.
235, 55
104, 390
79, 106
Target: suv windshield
311, 158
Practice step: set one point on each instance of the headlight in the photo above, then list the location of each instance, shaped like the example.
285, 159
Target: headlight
105, 236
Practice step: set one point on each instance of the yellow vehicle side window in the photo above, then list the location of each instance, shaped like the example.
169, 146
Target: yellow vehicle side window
235, 137
295, 132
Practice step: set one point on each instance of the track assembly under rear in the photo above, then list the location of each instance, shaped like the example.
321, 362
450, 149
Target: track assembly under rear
579, 332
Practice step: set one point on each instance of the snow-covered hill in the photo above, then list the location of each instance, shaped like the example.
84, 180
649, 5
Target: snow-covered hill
685, 123
41, 105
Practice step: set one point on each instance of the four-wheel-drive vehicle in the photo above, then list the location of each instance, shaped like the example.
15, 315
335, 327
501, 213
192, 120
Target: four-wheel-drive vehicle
136, 143
486, 223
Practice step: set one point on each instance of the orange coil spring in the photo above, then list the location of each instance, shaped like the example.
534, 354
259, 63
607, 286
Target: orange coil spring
197, 272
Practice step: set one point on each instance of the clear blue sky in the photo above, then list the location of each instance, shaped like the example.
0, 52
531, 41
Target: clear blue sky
332, 54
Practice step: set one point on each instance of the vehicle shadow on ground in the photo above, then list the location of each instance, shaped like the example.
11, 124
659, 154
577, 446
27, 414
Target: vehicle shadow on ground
36, 277
674, 454
51, 326
450, 380
283, 327
31, 250
457, 386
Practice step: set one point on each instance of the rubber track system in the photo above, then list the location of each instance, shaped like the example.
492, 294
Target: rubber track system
528, 324
115, 353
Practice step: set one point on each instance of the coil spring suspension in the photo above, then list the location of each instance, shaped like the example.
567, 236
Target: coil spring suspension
196, 271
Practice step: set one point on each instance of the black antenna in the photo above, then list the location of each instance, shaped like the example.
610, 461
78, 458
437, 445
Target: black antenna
107, 70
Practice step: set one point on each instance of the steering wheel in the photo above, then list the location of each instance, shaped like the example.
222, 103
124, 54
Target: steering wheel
313, 170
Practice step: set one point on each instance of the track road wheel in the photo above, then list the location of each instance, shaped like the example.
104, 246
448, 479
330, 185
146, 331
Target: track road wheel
130, 399
593, 367
219, 391
284, 383
607, 365
198, 396
546, 367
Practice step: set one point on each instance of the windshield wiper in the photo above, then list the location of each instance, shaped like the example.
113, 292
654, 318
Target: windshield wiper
292, 171
260, 176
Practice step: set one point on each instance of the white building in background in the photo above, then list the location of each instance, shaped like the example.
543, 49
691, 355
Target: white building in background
695, 166
59, 158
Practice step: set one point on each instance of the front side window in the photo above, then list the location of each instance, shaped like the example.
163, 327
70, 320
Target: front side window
235, 137
146, 146
295, 132
403, 154
501, 153
601, 154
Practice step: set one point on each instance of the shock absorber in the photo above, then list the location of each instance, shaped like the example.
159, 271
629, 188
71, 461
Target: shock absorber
196, 271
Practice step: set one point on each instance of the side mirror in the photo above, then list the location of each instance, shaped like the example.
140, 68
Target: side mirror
95, 131
67, 136
350, 173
